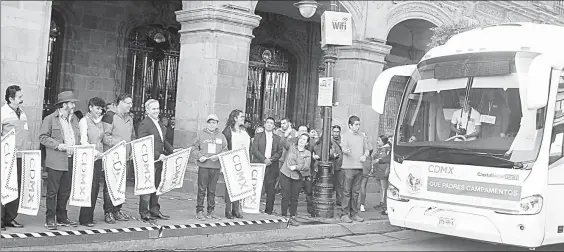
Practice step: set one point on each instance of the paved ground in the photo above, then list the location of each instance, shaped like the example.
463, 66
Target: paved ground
406, 240
179, 205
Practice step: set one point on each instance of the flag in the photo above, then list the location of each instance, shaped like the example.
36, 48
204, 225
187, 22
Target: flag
252, 204
144, 164
9, 168
236, 170
30, 195
114, 164
174, 167
82, 173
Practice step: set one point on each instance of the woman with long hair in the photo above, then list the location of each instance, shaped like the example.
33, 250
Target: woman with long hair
381, 161
237, 138
298, 160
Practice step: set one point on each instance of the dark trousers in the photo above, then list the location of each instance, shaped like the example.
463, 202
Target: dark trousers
270, 177
351, 191
10, 210
87, 213
108, 205
231, 207
59, 185
307, 185
207, 182
149, 203
338, 178
290, 191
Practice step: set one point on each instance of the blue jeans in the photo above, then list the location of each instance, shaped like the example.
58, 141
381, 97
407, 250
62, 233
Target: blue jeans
351, 191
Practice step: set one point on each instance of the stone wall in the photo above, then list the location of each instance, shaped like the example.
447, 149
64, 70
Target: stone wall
94, 48
25, 37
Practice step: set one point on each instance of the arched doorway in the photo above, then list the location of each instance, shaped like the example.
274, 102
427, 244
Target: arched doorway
409, 41
152, 68
267, 89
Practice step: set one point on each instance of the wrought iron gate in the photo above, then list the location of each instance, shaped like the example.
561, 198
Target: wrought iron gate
152, 71
267, 89
54, 56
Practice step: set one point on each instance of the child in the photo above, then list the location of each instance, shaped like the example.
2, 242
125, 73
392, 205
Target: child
209, 142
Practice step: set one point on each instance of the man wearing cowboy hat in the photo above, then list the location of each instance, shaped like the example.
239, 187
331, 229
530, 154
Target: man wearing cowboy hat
59, 132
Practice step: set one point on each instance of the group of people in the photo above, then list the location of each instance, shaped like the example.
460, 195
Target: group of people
60, 131
290, 157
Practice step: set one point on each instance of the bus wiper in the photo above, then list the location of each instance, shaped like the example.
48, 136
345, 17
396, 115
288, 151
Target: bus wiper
516, 165
415, 152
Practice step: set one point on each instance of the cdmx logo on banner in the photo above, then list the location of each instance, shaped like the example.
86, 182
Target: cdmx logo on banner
145, 158
31, 189
83, 164
177, 170
254, 182
117, 165
239, 172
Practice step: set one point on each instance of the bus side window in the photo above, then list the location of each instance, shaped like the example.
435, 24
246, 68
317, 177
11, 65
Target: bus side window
557, 139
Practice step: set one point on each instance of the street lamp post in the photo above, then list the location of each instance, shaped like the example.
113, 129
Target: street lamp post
323, 190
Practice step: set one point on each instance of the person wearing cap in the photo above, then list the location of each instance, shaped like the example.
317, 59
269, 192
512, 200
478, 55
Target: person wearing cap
149, 207
208, 143
13, 117
59, 132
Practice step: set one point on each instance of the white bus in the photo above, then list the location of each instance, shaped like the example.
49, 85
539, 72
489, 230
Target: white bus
478, 145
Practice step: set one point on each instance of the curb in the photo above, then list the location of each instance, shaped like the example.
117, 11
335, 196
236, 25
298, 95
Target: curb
218, 240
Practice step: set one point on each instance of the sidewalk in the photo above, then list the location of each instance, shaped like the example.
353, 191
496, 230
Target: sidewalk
183, 223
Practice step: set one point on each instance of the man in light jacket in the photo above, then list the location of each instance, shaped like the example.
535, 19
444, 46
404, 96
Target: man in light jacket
118, 126
59, 133
355, 152
208, 144
13, 117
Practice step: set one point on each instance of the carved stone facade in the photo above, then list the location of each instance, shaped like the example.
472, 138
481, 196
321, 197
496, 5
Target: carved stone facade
299, 38
95, 35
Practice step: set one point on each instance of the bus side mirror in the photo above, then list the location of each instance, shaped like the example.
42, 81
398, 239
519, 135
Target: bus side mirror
538, 83
381, 84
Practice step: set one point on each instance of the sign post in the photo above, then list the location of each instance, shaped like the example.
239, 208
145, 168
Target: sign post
336, 30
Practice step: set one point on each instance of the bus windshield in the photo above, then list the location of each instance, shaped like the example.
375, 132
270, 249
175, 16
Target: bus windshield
470, 109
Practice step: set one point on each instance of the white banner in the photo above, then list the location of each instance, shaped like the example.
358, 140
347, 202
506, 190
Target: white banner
236, 169
252, 204
82, 173
30, 195
144, 164
174, 167
9, 168
114, 164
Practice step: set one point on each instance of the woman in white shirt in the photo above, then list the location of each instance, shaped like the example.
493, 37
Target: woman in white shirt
237, 138
92, 132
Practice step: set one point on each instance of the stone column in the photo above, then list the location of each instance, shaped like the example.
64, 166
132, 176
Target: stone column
25, 38
213, 69
355, 72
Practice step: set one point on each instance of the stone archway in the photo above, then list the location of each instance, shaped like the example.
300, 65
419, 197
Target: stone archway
408, 39
416, 10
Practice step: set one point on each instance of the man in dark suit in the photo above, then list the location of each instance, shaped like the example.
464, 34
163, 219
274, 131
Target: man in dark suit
267, 148
149, 207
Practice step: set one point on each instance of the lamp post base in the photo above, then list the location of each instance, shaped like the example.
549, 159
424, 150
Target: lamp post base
323, 192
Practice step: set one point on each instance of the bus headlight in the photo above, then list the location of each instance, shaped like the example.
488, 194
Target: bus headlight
531, 205
528, 206
393, 193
